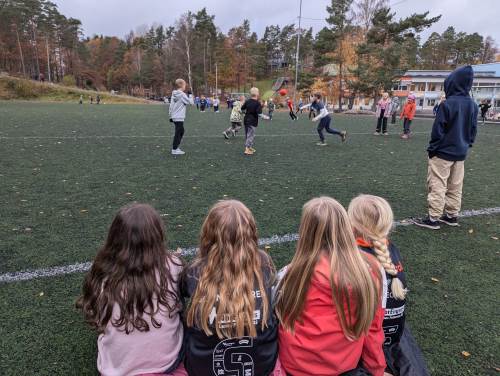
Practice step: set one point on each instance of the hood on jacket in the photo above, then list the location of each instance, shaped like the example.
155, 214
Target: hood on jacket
177, 95
459, 82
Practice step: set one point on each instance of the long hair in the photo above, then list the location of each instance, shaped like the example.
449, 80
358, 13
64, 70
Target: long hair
130, 271
325, 230
230, 266
372, 219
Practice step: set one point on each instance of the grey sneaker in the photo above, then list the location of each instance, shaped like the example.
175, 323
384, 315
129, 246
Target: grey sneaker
427, 222
450, 221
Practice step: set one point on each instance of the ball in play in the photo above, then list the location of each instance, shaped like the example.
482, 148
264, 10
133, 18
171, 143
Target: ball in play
283, 92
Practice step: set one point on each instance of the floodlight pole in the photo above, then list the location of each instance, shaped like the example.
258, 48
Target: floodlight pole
297, 55
216, 81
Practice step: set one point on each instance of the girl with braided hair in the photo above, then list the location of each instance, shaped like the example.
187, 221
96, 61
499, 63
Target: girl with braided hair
372, 220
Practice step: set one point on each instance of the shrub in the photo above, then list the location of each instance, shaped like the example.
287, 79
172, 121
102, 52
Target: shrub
69, 80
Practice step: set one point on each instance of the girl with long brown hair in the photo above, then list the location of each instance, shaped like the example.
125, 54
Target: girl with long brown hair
130, 296
230, 326
329, 301
372, 221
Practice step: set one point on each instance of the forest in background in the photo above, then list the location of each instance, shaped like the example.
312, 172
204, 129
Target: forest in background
363, 49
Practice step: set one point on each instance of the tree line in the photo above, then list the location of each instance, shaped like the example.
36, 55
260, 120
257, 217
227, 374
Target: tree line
364, 44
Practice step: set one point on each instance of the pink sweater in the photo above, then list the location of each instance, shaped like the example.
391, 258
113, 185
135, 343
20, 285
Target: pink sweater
141, 352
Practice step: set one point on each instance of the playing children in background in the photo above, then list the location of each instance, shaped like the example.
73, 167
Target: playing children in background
436, 106
81, 99
407, 115
216, 104
330, 299
229, 317
131, 297
197, 102
453, 133
253, 110
98, 99
484, 107
91, 99
300, 108
289, 103
203, 103
372, 221
270, 108
395, 107
383, 112
177, 112
236, 118
325, 119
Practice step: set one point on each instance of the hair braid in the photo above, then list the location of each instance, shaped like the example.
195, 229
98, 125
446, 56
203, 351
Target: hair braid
384, 257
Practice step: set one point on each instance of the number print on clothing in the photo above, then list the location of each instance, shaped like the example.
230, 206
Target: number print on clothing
241, 363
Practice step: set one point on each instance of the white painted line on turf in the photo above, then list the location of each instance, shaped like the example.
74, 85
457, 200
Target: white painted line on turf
170, 136
28, 275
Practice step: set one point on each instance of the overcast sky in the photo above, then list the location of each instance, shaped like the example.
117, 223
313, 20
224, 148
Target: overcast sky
118, 17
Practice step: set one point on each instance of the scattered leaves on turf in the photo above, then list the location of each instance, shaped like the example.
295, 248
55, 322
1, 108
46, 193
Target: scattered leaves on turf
465, 354
41, 294
494, 238
267, 248
471, 230
83, 211
435, 280
128, 194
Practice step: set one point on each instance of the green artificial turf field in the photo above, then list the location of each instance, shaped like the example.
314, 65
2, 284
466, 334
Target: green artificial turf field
65, 170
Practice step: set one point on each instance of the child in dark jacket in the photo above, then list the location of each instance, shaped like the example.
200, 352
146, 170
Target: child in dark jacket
253, 110
372, 221
453, 133
230, 327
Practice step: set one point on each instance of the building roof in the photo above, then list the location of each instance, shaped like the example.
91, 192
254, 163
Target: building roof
480, 70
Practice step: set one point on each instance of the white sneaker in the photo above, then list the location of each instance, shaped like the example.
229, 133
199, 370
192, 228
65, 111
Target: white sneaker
178, 152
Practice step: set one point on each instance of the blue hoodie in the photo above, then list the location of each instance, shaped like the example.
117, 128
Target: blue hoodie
455, 126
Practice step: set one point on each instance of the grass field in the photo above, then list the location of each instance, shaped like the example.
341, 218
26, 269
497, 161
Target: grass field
65, 170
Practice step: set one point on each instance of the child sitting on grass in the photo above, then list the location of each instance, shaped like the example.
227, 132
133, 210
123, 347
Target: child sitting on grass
253, 110
372, 221
130, 296
236, 118
229, 320
329, 300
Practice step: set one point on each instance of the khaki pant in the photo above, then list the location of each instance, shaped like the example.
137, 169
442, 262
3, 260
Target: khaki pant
444, 183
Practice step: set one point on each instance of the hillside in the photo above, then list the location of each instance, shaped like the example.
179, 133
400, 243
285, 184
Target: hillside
13, 88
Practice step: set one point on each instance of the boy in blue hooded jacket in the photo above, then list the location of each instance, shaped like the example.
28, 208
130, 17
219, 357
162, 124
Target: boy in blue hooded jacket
453, 133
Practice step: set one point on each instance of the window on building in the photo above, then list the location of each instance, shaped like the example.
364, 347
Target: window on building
421, 86
412, 87
367, 101
431, 102
431, 87
439, 87
497, 103
421, 102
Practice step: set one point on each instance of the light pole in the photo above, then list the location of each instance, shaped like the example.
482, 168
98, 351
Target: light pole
297, 55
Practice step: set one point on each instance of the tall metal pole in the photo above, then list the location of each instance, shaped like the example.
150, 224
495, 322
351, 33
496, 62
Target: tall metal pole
297, 55
216, 81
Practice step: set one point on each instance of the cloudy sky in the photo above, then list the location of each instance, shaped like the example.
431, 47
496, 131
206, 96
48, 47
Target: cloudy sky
118, 17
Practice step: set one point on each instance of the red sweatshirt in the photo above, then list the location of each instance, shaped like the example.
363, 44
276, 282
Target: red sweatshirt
409, 110
290, 104
319, 346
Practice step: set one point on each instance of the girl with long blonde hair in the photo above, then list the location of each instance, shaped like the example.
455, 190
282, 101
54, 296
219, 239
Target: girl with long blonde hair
230, 325
372, 221
329, 300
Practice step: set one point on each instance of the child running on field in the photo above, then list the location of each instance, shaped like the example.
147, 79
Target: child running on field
130, 296
407, 115
229, 320
253, 110
325, 119
329, 301
236, 118
372, 221
177, 112
203, 103
289, 103
270, 108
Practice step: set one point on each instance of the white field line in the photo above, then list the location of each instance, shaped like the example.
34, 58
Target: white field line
168, 136
27, 275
